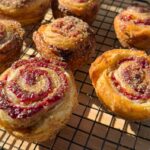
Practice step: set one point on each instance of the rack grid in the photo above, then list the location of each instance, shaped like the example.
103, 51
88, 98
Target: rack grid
91, 127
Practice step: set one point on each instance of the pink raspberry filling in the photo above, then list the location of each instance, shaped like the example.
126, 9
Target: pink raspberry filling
30, 73
134, 77
127, 18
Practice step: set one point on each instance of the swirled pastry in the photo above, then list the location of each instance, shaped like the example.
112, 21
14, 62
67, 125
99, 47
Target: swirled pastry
37, 97
69, 39
132, 27
122, 82
83, 9
24, 11
11, 40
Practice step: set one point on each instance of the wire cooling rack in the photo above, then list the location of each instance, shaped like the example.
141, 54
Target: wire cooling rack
91, 127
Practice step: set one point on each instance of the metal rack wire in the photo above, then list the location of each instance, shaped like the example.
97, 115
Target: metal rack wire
91, 127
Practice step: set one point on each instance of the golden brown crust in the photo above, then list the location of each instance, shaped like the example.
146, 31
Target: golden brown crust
68, 38
15, 3
10, 56
26, 12
112, 98
49, 127
46, 123
132, 27
85, 10
11, 40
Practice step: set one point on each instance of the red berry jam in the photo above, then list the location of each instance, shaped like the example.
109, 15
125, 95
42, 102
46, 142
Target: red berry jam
144, 22
126, 17
134, 75
81, 1
130, 17
30, 73
70, 27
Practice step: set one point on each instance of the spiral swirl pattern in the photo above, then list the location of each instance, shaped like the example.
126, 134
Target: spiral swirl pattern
69, 39
131, 78
121, 78
136, 15
31, 86
132, 27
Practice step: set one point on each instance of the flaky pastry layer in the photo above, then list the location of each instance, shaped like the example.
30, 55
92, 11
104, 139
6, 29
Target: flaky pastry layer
26, 12
118, 76
23, 112
85, 10
132, 27
69, 39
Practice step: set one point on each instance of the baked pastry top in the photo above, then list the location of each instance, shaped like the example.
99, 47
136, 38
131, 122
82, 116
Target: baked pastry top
11, 34
84, 9
121, 79
37, 97
14, 3
11, 40
69, 39
132, 27
25, 11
